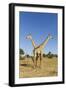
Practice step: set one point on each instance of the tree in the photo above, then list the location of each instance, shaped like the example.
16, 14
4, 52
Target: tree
21, 51
50, 55
44, 55
27, 56
56, 55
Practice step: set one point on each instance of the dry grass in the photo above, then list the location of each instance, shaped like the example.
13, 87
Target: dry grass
48, 68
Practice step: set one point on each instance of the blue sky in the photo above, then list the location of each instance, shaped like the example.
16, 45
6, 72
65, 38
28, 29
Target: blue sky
39, 25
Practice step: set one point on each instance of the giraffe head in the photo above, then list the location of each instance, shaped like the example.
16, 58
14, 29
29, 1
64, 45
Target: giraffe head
49, 36
29, 37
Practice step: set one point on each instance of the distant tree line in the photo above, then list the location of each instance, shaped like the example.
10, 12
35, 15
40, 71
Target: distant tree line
48, 55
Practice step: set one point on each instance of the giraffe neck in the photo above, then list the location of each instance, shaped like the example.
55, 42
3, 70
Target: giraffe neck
45, 42
33, 43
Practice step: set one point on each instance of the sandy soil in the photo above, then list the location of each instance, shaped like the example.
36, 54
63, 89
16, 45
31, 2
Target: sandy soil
48, 68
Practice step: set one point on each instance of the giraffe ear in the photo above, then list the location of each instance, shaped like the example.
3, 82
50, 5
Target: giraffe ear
49, 35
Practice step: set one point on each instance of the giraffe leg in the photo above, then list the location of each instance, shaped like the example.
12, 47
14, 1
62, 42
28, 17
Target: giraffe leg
36, 61
40, 59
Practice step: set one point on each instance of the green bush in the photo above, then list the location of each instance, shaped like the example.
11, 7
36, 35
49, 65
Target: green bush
27, 56
50, 56
21, 51
56, 55
44, 55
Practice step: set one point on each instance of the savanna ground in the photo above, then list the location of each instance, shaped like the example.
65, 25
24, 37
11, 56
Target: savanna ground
49, 67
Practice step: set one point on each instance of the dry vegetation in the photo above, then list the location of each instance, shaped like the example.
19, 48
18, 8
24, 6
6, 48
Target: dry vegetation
48, 68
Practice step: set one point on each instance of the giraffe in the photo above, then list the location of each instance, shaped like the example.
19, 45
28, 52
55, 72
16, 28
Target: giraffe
38, 50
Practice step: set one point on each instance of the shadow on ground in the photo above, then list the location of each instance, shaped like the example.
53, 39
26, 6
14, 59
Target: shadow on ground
26, 65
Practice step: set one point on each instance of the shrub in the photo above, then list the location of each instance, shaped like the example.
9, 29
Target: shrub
21, 51
27, 56
49, 55
44, 55
55, 55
